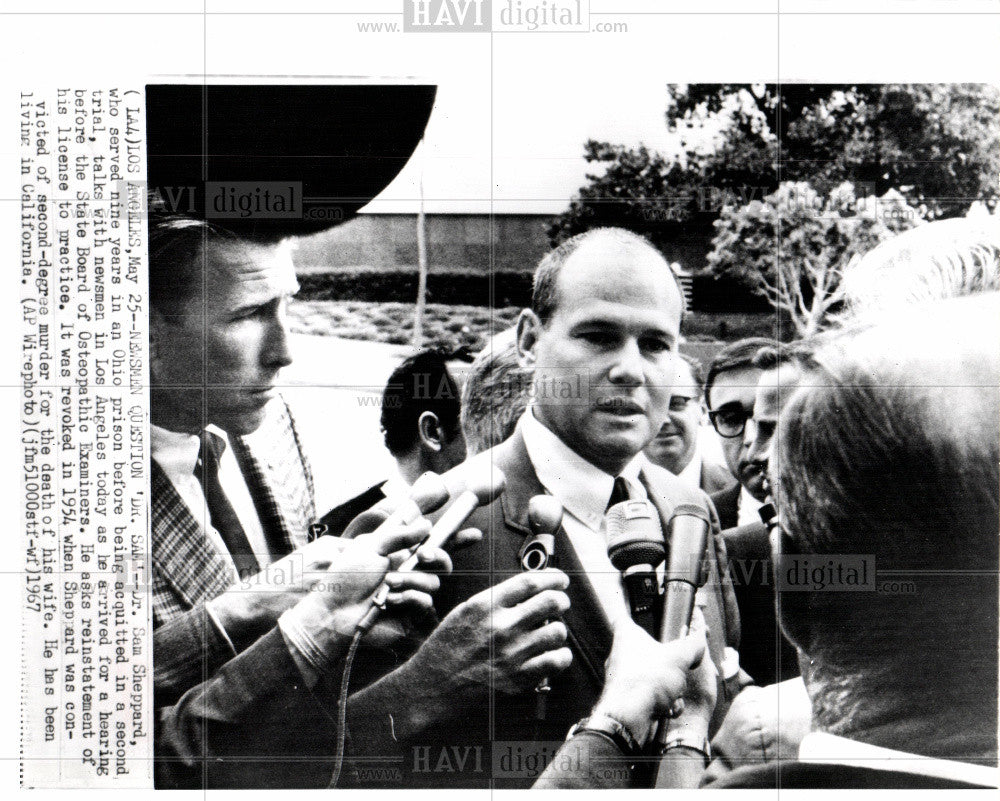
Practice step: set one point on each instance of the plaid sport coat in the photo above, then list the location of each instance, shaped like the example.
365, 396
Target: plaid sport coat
188, 570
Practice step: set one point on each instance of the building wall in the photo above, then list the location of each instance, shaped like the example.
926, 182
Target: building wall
455, 242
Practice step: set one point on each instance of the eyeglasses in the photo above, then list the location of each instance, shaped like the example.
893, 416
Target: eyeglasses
730, 421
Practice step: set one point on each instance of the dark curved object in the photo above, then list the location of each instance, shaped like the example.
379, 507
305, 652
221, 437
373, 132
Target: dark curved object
343, 143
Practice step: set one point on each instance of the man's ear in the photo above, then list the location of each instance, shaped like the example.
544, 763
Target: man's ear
429, 432
529, 328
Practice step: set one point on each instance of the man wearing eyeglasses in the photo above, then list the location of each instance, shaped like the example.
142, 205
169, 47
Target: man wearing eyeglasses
730, 387
676, 447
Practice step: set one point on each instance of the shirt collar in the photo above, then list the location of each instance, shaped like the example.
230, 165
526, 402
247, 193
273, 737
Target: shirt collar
176, 452
821, 747
691, 474
579, 486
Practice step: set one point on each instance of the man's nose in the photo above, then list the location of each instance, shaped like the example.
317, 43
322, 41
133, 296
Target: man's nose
758, 448
277, 352
628, 366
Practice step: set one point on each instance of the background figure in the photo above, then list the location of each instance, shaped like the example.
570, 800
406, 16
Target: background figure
938, 260
889, 448
420, 423
495, 394
730, 385
676, 445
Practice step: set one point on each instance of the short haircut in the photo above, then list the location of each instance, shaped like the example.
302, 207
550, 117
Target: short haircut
736, 356
889, 448
419, 384
495, 395
176, 259
934, 261
544, 299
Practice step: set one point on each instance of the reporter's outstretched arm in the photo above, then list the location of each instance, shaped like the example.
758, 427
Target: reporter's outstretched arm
644, 680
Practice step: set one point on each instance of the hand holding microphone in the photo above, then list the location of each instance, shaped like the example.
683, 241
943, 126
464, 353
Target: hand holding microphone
481, 490
685, 573
544, 518
428, 494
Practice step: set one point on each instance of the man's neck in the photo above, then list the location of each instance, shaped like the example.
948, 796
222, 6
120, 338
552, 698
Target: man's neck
410, 466
878, 716
165, 415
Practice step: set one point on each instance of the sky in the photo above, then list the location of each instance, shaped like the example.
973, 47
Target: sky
518, 140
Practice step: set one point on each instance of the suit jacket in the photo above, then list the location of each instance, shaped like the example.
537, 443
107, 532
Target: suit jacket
338, 518
727, 504
716, 478
765, 653
503, 728
187, 570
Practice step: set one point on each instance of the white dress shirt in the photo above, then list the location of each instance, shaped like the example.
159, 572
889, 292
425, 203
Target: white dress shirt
820, 747
177, 455
691, 474
749, 508
583, 490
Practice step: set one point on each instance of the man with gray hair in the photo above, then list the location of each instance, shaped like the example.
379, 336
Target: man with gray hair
496, 393
886, 460
934, 261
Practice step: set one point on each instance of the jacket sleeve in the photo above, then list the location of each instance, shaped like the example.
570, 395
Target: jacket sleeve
186, 650
587, 761
254, 723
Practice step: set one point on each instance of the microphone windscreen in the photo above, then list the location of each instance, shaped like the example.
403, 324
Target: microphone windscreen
486, 485
544, 514
429, 493
634, 535
689, 527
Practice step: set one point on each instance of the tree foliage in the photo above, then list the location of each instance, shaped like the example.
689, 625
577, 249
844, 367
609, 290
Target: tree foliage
936, 144
792, 246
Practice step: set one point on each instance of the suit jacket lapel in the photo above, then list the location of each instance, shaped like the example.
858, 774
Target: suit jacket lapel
589, 631
185, 558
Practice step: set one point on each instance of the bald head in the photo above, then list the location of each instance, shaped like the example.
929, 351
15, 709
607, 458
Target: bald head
601, 243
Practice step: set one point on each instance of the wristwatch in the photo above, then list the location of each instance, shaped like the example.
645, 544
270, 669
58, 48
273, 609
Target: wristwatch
680, 740
613, 730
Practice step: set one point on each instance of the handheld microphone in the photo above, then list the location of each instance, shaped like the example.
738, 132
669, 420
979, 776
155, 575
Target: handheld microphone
635, 547
481, 490
544, 518
685, 568
685, 573
428, 494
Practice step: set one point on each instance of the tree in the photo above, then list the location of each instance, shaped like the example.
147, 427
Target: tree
938, 145
793, 246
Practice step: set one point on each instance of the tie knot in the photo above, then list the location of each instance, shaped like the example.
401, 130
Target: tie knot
211, 449
620, 492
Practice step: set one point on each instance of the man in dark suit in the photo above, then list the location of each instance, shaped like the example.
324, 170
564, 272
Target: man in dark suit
889, 449
601, 337
730, 384
675, 447
420, 423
